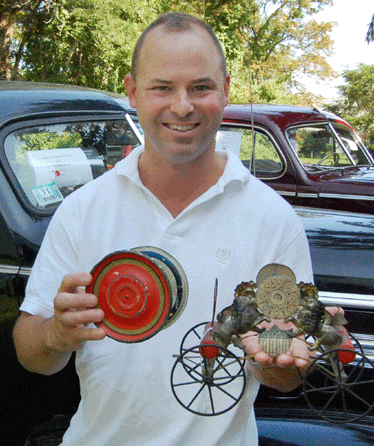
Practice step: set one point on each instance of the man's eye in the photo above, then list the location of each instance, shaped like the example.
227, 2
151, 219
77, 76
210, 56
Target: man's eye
161, 88
202, 88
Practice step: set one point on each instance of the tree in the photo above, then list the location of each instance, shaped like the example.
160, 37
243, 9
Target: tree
10, 13
85, 42
370, 32
356, 104
283, 41
273, 40
89, 42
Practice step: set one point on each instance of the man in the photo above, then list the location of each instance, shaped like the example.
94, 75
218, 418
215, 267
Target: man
178, 194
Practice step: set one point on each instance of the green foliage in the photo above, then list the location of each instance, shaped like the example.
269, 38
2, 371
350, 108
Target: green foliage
11, 13
85, 42
49, 141
90, 42
267, 42
356, 103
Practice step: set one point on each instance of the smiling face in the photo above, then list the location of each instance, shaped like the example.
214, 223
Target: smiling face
179, 92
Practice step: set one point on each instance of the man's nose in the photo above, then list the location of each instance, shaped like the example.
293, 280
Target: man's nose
182, 104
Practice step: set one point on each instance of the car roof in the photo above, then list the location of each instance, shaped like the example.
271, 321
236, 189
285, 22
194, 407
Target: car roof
21, 99
283, 115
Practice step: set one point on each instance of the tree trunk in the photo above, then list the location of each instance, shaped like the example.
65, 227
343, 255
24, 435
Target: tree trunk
6, 33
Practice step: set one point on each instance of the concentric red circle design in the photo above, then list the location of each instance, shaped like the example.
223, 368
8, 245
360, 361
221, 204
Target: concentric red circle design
134, 294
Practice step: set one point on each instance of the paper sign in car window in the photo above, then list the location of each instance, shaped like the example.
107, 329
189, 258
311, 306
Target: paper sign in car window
228, 140
63, 167
47, 195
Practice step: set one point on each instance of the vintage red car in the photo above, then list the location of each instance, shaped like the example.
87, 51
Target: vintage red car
311, 157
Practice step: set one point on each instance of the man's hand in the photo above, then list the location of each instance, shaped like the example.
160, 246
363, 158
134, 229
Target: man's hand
284, 372
45, 345
298, 353
74, 310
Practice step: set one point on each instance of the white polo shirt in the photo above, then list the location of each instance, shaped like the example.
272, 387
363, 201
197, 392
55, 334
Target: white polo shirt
229, 233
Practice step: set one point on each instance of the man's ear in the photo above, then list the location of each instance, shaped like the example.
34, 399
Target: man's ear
130, 89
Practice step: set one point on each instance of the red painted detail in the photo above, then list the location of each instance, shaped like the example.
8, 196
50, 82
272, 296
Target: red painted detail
208, 346
345, 356
134, 295
209, 350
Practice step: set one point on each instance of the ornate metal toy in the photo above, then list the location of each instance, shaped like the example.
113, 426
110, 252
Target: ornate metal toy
209, 379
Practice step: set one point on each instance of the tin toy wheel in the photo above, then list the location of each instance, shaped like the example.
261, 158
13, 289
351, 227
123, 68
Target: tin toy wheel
208, 386
141, 292
193, 336
322, 385
330, 385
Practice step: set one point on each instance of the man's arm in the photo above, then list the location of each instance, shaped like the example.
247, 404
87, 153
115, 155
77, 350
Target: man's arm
45, 345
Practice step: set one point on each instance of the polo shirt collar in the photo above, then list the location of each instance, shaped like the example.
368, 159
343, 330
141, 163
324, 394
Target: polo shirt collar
234, 170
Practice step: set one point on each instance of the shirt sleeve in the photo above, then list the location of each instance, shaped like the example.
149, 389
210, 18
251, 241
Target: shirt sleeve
56, 258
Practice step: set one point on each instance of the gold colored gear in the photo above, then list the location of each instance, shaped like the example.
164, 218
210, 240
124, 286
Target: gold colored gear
278, 297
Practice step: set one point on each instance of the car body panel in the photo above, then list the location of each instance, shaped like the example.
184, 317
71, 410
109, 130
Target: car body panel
342, 252
298, 427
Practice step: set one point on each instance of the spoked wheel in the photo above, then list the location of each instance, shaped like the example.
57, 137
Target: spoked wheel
322, 384
206, 385
193, 336
331, 385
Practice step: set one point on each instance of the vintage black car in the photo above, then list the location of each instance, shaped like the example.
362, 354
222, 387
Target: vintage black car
53, 139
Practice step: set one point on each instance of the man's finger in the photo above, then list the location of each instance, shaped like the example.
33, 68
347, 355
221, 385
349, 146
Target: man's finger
66, 301
84, 317
72, 281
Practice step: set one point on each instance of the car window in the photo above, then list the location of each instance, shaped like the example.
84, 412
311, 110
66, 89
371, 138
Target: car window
317, 147
241, 140
352, 144
51, 161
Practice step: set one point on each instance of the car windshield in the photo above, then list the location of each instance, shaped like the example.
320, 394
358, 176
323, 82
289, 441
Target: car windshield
52, 160
326, 146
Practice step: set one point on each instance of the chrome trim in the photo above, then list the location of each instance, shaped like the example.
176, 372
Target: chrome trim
347, 300
357, 301
348, 197
307, 195
366, 341
367, 345
286, 193
15, 270
134, 128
